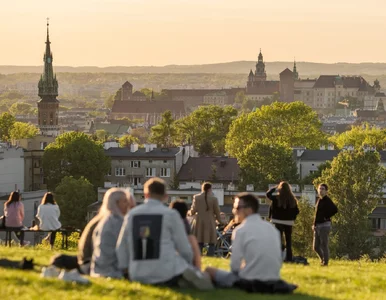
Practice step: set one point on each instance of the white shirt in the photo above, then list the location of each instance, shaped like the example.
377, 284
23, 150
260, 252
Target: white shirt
256, 250
48, 215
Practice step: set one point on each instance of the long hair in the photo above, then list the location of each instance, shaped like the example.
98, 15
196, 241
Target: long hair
48, 198
111, 198
286, 197
206, 186
14, 197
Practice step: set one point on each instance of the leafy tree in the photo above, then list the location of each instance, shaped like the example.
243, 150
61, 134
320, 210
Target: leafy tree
6, 124
21, 108
164, 133
118, 95
208, 123
289, 124
240, 97
101, 135
73, 197
141, 134
22, 130
175, 183
360, 136
355, 181
263, 163
302, 233
75, 154
127, 140
109, 101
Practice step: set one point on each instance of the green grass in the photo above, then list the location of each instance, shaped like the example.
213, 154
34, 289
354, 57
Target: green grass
341, 280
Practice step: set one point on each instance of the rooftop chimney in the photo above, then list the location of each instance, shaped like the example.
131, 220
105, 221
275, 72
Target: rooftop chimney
133, 148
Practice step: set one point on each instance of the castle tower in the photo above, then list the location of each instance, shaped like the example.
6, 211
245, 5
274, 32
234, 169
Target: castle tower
260, 74
127, 91
48, 106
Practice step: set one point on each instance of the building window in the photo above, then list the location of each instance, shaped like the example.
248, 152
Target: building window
150, 172
135, 164
135, 180
120, 171
165, 172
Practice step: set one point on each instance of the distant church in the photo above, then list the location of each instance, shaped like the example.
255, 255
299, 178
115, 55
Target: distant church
259, 88
48, 106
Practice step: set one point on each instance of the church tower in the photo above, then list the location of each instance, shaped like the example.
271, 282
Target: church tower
48, 106
260, 74
295, 71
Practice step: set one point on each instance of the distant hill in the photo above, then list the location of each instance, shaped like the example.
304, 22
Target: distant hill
236, 67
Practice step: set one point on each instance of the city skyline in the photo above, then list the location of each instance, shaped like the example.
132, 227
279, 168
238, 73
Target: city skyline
142, 33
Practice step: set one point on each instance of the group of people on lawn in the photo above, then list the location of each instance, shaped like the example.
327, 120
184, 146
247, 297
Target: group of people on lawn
154, 244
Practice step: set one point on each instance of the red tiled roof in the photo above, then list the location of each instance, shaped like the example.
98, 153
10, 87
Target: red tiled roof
141, 107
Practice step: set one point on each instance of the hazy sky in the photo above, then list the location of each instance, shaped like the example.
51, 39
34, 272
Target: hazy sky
160, 32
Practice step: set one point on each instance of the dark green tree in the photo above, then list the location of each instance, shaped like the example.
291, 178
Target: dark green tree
290, 124
6, 124
73, 197
164, 133
355, 180
207, 124
75, 154
263, 163
302, 235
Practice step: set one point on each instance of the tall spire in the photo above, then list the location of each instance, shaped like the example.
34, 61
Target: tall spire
296, 74
260, 56
48, 85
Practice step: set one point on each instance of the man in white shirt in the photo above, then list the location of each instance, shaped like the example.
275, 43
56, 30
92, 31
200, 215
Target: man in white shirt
256, 247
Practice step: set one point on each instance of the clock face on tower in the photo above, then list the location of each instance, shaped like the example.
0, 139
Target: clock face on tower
49, 60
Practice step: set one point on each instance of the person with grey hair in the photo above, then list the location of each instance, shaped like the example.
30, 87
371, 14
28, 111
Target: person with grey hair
116, 204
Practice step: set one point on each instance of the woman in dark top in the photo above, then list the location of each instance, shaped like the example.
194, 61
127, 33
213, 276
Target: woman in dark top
283, 212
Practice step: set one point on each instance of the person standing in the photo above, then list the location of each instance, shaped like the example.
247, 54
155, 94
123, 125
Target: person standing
48, 214
283, 212
324, 210
206, 210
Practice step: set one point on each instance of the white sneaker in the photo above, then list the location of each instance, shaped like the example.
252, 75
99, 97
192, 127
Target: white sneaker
50, 272
73, 276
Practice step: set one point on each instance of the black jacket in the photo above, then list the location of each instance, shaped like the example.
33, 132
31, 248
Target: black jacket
280, 213
324, 210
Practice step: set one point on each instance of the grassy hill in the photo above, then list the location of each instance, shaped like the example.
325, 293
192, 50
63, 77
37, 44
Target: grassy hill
341, 280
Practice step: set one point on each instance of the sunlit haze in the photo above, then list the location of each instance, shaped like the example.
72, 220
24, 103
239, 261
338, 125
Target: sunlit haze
155, 32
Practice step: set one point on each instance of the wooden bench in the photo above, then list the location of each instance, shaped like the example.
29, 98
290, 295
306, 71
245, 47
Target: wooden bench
65, 234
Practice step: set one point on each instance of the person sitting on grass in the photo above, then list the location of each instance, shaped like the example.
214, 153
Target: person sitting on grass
256, 252
182, 208
116, 204
153, 246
